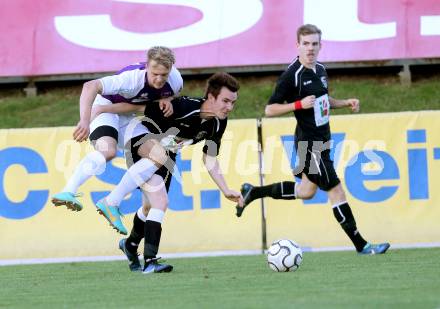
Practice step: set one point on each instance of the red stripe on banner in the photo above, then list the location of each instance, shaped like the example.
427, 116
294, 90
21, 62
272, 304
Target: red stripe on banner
49, 37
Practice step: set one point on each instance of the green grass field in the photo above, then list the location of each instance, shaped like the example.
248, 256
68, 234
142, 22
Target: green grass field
59, 106
399, 279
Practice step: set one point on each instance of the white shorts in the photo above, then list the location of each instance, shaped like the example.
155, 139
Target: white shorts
127, 125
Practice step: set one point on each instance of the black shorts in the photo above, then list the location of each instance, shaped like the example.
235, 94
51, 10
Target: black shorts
317, 166
132, 156
103, 131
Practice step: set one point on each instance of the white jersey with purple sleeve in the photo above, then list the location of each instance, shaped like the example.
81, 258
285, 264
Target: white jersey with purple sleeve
130, 86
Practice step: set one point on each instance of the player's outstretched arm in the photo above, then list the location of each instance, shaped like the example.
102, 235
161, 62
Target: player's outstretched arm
352, 103
214, 171
278, 109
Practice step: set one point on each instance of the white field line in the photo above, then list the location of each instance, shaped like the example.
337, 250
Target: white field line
191, 254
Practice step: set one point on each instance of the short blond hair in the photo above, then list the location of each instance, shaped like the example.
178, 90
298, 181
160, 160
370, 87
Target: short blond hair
306, 30
162, 55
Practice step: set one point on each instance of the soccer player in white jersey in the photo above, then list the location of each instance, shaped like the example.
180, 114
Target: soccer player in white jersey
157, 79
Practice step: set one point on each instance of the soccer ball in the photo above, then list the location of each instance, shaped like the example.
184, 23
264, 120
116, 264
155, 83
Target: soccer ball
284, 255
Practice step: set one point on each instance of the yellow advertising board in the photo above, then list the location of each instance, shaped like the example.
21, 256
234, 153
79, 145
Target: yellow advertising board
389, 165
36, 163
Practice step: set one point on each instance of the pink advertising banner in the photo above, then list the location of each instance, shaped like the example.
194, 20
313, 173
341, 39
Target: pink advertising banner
49, 37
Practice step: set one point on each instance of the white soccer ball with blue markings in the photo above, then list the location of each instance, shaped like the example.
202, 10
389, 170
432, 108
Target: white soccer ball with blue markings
284, 255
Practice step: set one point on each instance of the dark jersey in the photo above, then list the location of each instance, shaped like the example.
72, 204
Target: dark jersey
186, 119
298, 82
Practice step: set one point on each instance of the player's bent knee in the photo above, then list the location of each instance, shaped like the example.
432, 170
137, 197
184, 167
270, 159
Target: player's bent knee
158, 155
109, 154
152, 150
107, 147
305, 192
145, 148
307, 195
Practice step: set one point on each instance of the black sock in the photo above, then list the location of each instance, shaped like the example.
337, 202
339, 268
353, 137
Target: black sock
136, 234
153, 230
345, 218
281, 190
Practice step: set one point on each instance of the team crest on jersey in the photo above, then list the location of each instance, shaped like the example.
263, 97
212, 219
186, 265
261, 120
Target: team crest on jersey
201, 135
141, 98
324, 81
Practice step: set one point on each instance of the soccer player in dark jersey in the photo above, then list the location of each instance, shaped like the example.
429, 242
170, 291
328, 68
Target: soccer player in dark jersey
140, 83
193, 120
303, 89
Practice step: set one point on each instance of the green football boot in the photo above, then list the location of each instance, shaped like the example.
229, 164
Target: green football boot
112, 214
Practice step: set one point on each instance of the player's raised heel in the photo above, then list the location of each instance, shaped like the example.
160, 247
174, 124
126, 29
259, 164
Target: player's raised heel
371, 249
153, 266
133, 259
112, 214
68, 199
245, 190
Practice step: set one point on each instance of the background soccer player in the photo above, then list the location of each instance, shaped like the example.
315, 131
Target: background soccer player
303, 89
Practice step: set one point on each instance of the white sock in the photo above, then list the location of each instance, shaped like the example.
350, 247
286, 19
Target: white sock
140, 214
156, 215
92, 164
134, 177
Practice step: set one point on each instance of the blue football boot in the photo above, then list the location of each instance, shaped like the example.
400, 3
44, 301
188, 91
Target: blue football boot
112, 214
133, 259
371, 249
153, 266
245, 190
68, 199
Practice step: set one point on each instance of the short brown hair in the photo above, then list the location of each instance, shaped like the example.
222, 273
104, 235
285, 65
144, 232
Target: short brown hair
219, 80
162, 55
306, 30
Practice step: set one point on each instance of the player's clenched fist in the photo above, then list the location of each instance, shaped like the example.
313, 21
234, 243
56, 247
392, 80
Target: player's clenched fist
308, 102
353, 104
